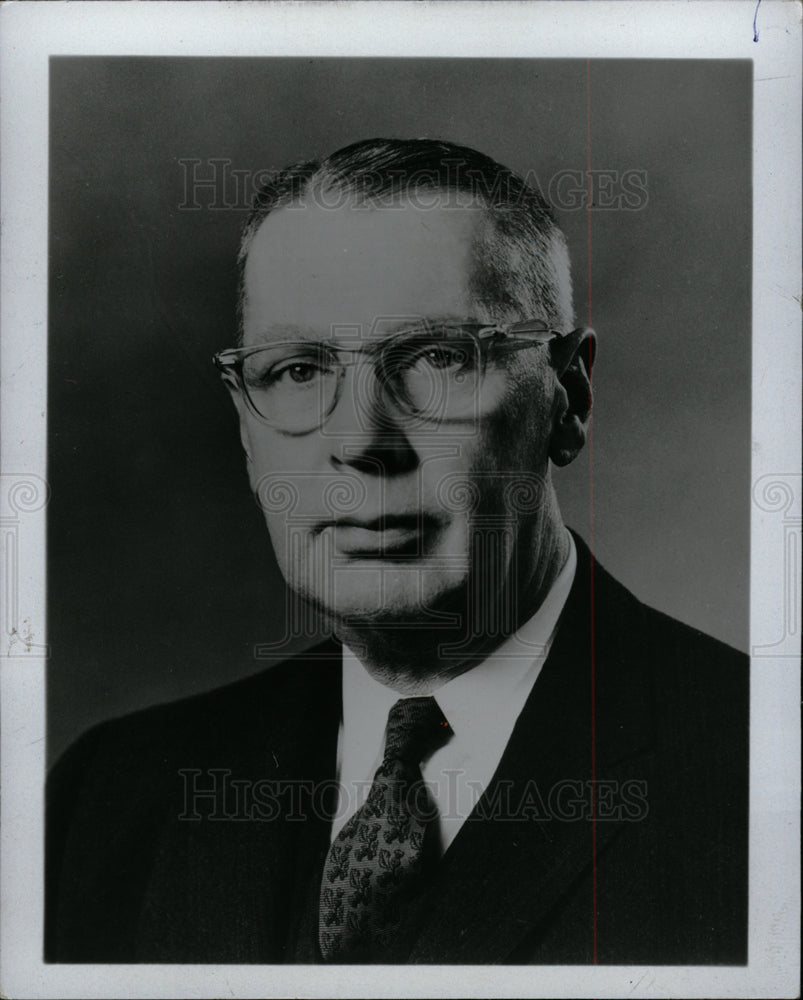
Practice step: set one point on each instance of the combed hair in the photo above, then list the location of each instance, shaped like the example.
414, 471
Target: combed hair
521, 266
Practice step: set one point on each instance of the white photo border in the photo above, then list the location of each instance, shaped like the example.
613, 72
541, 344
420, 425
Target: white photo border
769, 34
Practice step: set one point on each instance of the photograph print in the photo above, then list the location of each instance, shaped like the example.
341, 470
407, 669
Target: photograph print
399, 536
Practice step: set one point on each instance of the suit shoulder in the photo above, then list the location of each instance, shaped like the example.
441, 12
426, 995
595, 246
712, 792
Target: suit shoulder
691, 642
651, 639
200, 723
696, 685
701, 687
696, 665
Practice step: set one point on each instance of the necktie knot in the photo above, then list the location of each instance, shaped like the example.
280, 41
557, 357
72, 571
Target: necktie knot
416, 727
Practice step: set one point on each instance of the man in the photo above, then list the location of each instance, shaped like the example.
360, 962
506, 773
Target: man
501, 755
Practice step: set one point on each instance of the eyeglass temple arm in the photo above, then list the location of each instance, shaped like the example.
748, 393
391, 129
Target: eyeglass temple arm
562, 346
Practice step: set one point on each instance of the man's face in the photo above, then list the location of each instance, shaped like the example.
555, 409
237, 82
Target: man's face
374, 515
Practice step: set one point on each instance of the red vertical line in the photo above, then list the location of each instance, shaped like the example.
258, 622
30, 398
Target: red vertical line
591, 540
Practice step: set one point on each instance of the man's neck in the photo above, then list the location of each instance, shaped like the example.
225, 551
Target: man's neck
418, 661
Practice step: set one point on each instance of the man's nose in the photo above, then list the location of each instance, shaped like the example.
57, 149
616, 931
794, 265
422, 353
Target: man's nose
364, 430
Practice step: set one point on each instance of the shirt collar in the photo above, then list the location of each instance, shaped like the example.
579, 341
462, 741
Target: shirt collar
491, 690
499, 686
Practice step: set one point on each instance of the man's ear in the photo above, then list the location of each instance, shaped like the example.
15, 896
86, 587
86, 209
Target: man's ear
572, 397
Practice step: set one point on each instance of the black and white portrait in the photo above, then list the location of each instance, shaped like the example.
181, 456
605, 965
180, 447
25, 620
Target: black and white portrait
410, 372
398, 511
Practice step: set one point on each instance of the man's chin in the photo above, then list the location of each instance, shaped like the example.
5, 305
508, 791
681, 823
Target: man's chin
386, 598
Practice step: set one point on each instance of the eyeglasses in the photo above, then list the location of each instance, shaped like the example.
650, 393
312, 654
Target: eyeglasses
430, 373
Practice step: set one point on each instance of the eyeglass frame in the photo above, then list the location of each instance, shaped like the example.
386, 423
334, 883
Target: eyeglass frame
537, 332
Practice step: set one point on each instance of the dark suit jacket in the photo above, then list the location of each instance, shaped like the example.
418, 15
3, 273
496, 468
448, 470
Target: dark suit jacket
140, 869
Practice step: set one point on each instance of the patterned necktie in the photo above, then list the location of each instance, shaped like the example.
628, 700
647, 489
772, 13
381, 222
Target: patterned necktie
374, 868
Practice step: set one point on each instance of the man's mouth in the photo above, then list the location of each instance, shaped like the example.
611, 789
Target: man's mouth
392, 535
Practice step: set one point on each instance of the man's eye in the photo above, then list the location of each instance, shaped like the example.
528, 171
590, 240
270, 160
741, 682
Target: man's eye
444, 356
298, 371
294, 371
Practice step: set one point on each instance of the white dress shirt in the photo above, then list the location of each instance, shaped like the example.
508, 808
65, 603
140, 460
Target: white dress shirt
481, 705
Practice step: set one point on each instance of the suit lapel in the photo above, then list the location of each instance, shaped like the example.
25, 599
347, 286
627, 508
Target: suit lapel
530, 839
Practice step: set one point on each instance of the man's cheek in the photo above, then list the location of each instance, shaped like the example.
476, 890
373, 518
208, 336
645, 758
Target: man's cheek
285, 479
453, 543
277, 531
447, 475
275, 454
290, 540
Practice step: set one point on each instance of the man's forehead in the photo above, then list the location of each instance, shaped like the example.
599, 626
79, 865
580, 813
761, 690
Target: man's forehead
355, 263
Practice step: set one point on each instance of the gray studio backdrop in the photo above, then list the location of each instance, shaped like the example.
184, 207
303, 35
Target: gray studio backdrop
160, 576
